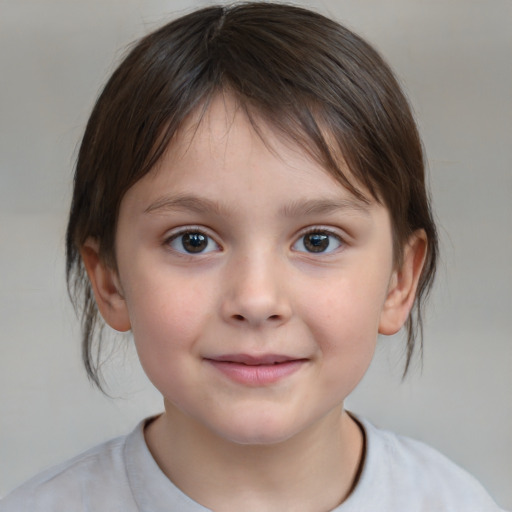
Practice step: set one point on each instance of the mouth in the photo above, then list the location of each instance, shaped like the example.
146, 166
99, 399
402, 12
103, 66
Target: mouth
253, 360
256, 370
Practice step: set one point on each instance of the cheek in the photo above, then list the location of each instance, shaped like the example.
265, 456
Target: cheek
165, 335
345, 312
167, 319
344, 323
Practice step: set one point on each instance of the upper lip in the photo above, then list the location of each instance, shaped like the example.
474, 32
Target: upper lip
254, 360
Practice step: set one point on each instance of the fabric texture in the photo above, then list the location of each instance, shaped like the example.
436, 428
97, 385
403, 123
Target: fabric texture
398, 475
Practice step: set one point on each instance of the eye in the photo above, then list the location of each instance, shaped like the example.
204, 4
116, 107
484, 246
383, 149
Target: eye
318, 241
192, 242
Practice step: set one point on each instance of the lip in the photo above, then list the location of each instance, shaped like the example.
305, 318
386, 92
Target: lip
256, 370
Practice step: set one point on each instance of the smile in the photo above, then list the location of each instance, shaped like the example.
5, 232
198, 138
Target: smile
256, 370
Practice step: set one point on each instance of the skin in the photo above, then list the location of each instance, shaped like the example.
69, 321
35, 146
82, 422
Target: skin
255, 290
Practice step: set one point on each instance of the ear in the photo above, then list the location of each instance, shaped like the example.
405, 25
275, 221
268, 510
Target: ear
106, 287
403, 285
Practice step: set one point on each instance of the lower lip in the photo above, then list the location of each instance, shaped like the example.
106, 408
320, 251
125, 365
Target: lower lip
257, 375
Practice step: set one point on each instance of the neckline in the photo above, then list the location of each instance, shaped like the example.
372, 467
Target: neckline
153, 491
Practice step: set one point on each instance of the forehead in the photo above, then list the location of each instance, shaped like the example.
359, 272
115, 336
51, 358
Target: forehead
222, 153
227, 131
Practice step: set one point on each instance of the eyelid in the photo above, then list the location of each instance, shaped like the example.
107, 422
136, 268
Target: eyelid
325, 229
335, 232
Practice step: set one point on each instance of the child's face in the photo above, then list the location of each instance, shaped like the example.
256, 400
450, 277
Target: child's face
232, 258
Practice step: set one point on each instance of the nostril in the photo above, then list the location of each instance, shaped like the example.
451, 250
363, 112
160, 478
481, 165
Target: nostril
241, 318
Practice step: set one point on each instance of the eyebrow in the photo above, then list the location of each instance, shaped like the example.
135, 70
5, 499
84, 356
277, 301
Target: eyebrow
325, 206
202, 205
186, 202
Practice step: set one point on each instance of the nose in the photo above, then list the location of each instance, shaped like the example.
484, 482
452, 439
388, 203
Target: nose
255, 293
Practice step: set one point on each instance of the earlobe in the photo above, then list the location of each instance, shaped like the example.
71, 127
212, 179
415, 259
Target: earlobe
106, 287
403, 285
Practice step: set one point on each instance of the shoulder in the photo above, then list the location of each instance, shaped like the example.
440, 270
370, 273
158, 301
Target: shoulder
83, 483
409, 475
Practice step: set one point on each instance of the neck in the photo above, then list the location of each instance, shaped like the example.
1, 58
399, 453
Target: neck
314, 470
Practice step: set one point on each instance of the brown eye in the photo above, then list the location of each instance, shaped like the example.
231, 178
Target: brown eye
192, 242
318, 242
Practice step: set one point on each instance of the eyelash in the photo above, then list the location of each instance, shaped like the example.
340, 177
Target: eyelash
212, 245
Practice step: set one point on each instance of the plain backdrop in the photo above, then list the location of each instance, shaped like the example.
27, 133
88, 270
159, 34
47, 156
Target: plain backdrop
454, 58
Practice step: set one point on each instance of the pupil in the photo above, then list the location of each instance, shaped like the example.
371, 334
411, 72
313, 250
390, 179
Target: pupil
316, 242
194, 242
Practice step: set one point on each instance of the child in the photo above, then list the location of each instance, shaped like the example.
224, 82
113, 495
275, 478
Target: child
250, 203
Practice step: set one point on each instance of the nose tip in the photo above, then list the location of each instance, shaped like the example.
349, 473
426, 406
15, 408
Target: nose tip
256, 297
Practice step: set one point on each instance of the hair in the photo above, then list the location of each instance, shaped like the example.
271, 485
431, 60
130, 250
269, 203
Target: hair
313, 80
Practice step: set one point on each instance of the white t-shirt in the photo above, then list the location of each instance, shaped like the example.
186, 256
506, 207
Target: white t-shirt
398, 475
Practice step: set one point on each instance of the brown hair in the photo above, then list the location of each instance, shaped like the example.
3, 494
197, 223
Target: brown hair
311, 78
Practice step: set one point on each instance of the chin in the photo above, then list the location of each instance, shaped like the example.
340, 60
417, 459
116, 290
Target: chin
257, 438
257, 431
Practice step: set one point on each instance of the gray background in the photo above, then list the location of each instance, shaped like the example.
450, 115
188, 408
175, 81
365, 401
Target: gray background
455, 60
